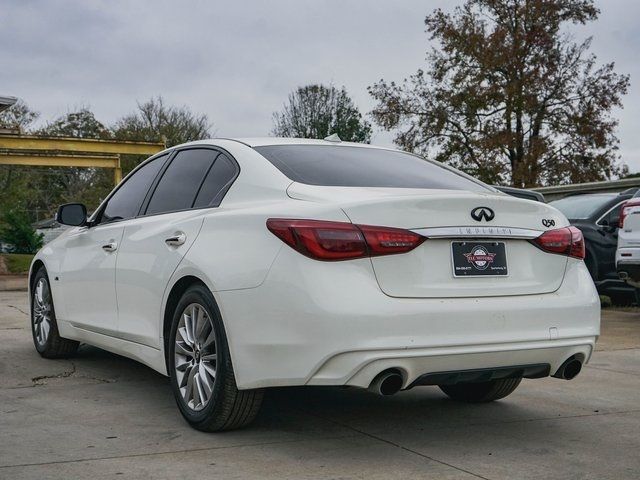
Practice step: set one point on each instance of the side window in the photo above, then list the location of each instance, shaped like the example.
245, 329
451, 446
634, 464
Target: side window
181, 181
128, 198
216, 183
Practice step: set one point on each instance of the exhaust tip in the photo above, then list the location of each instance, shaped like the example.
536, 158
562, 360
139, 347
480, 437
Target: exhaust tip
387, 383
569, 369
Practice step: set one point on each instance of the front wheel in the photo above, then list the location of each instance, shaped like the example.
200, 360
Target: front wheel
481, 392
44, 326
200, 367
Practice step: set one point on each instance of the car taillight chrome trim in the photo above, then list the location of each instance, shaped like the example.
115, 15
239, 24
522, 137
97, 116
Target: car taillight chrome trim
567, 241
477, 232
332, 241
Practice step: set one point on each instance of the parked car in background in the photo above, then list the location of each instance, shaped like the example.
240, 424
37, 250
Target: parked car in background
628, 252
521, 193
7, 247
597, 215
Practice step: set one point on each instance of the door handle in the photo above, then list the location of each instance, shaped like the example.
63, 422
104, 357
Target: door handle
176, 240
110, 247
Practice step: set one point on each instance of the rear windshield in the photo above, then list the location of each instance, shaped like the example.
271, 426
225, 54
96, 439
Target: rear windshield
581, 206
342, 166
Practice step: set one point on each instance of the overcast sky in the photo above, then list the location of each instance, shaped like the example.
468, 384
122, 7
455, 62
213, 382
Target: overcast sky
237, 61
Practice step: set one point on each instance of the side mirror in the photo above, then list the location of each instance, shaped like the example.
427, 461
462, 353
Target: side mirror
73, 214
614, 222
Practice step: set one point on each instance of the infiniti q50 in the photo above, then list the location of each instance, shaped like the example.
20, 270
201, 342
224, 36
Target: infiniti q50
236, 265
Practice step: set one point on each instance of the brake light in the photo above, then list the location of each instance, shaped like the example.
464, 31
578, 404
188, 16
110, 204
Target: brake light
626, 208
323, 240
563, 241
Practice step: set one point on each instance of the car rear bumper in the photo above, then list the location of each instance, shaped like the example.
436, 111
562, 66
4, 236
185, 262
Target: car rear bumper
317, 323
628, 264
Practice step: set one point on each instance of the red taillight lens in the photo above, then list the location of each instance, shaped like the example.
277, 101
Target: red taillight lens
626, 208
324, 240
386, 240
564, 241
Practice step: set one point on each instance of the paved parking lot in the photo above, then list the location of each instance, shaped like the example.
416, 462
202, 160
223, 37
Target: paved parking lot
102, 416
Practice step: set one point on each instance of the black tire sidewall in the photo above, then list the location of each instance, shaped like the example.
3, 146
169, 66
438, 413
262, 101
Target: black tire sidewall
200, 294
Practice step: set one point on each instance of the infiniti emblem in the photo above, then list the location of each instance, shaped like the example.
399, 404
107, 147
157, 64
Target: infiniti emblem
482, 213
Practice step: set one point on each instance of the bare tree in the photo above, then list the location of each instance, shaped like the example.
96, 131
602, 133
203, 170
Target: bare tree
155, 121
316, 111
509, 96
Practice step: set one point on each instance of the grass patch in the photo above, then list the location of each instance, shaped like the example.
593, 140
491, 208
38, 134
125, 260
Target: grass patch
605, 302
17, 262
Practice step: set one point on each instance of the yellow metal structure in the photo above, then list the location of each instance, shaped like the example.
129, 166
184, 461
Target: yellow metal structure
43, 160
71, 152
86, 145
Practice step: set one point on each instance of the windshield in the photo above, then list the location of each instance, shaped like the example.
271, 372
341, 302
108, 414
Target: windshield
343, 166
581, 206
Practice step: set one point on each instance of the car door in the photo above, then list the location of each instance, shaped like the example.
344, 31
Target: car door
87, 273
154, 244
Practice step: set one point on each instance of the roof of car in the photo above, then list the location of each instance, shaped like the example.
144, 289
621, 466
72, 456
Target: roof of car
267, 141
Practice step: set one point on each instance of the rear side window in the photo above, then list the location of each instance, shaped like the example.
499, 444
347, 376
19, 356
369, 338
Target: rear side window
343, 166
179, 185
580, 207
216, 183
127, 199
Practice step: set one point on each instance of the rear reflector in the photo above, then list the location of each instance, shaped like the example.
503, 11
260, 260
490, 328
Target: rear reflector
563, 241
323, 240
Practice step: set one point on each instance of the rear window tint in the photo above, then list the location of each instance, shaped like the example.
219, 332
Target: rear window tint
343, 166
216, 183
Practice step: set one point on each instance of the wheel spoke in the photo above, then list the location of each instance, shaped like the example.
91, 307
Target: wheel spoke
183, 365
183, 348
210, 372
206, 382
189, 394
39, 288
210, 357
188, 335
200, 324
45, 328
211, 339
194, 322
198, 401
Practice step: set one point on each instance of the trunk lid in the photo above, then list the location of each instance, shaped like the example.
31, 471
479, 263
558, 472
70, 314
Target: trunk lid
444, 217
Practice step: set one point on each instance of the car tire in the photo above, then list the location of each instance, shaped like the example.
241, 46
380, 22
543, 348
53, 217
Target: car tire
44, 326
481, 392
199, 362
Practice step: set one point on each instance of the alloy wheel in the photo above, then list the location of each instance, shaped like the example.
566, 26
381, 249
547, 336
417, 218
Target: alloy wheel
195, 356
42, 309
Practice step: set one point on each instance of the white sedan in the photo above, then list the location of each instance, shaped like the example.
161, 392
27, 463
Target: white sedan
236, 265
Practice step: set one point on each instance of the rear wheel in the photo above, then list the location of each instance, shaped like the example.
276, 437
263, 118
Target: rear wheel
200, 366
481, 392
44, 326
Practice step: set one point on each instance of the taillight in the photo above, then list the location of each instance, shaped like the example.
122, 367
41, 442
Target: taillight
564, 241
323, 240
626, 208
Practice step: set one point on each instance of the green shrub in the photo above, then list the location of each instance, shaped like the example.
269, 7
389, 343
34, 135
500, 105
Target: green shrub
16, 230
605, 302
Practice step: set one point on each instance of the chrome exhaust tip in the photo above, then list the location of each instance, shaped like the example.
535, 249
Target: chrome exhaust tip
386, 383
569, 369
